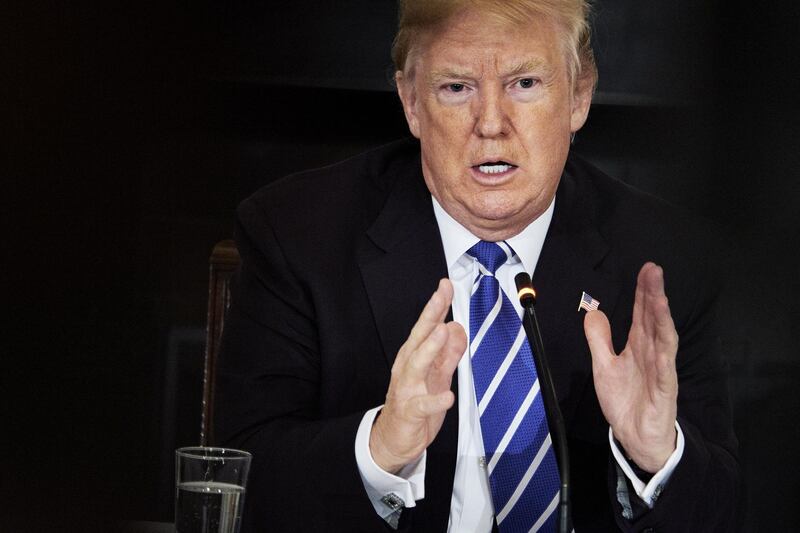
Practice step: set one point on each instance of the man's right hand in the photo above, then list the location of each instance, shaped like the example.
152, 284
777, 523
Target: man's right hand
419, 391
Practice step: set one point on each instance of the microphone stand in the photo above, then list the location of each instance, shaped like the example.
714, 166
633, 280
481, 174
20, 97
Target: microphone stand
558, 432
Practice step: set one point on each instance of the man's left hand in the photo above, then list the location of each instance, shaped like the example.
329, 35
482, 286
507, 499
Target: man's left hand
638, 389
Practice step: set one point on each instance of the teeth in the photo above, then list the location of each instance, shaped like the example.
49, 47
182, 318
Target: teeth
494, 169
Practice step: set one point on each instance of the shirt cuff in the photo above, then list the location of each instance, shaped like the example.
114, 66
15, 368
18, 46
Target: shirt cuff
408, 484
650, 492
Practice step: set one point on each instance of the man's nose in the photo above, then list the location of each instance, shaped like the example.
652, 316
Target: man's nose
491, 117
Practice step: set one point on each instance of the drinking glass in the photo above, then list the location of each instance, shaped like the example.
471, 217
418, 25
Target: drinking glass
209, 489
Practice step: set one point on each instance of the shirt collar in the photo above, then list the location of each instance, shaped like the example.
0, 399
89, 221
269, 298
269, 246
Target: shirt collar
456, 239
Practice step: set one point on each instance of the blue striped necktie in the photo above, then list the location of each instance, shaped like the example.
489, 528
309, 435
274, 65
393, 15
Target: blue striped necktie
523, 474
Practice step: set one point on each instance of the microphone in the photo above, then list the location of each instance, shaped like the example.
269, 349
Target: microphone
558, 432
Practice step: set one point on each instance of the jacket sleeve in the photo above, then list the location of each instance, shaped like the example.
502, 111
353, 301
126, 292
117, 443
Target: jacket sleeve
303, 475
703, 492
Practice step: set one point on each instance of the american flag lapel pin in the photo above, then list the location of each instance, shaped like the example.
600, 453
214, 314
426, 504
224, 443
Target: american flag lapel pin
588, 303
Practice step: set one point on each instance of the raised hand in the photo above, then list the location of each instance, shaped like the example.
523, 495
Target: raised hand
419, 391
638, 389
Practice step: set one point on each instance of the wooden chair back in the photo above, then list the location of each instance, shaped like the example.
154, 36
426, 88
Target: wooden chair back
222, 263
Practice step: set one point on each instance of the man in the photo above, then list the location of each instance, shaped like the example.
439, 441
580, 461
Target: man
337, 363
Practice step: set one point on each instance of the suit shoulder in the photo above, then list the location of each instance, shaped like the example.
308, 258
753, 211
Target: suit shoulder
628, 214
349, 182
325, 210
640, 227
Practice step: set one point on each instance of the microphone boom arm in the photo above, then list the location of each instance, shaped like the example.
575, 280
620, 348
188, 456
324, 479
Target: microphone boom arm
558, 432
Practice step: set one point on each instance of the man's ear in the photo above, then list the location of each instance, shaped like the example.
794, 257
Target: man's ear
581, 101
408, 96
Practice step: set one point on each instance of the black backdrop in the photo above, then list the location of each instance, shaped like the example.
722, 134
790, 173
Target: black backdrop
132, 131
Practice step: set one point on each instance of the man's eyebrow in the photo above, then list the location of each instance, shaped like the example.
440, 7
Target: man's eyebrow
527, 66
450, 73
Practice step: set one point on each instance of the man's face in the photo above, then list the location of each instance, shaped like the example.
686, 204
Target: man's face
494, 108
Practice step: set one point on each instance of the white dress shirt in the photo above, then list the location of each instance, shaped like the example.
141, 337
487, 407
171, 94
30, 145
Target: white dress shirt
471, 504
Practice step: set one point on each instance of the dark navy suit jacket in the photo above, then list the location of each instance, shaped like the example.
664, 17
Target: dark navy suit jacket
337, 264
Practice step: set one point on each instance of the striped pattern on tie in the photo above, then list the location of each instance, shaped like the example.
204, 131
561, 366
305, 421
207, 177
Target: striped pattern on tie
523, 474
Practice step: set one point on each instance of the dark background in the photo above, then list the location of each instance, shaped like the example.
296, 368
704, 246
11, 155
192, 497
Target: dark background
132, 131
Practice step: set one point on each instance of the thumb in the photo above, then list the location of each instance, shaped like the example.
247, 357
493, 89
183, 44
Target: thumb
598, 335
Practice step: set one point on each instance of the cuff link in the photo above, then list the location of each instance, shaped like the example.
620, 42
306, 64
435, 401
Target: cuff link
657, 493
396, 504
393, 501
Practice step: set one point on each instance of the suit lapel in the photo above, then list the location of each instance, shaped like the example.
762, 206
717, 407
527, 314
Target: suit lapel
402, 260
572, 261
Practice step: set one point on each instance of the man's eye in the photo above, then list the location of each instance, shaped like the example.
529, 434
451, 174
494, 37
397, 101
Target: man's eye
456, 87
526, 83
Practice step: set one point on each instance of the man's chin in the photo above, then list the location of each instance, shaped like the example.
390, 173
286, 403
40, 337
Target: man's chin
497, 224
496, 209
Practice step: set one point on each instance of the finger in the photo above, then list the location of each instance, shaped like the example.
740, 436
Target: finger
428, 405
598, 335
418, 364
657, 347
453, 350
432, 314
657, 318
662, 318
665, 342
640, 296
651, 277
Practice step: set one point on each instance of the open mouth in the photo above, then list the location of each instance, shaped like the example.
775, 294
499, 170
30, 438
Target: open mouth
494, 167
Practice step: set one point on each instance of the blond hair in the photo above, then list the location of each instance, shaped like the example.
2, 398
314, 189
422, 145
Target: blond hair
421, 17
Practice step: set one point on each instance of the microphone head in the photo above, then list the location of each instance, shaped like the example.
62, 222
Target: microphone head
525, 292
